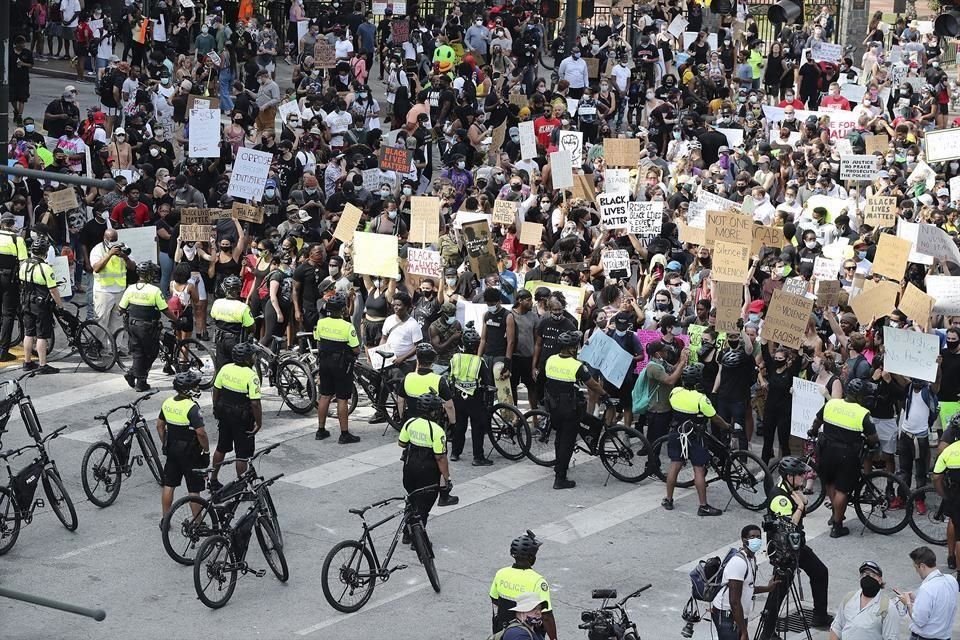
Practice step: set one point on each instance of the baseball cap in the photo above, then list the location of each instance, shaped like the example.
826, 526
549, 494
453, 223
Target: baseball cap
723, 149
945, 193
756, 306
673, 265
527, 602
70, 88
8, 218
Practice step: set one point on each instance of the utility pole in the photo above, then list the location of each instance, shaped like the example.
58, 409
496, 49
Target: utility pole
4, 79
571, 15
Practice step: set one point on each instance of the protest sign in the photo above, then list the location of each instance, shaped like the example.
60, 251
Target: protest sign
945, 291
399, 31
621, 152
616, 263
796, 286
645, 220
204, 134
497, 137
379, 8
876, 302
954, 189
786, 319
826, 268
198, 216
691, 235
571, 142
695, 332
247, 213
371, 179
910, 353
942, 145
807, 398
917, 305
689, 37
504, 212
697, 215
729, 227
572, 104
375, 254
729, 302
840, 249
583, 188
61, 274
561, 170
520, 101
714, 202
910, 231
734, 136
922, 173
764, 236
196, 102
616, 181
678, 26
881, 211
324, 54
249, 176
934, 241
394, 159
424, 219
828, 292
531, 233
142, 242
528, 141
858, 168
348, 223
288, 108
483, 260
730, 261
196, 232
891, 257
461, 218
826, 51
840, 124
877, 142
613, 209
424, 262
854, 93
604, 354
646, 336
572, 295
63, 199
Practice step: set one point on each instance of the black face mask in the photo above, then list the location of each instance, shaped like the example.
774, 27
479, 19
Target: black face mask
869, 586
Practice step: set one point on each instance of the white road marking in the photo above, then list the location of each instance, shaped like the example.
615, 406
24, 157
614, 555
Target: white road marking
493, 484
348, 467
82, 550
332, 621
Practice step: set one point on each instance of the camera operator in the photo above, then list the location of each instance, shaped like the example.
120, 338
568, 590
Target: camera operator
785, 511
731, 609
110, 261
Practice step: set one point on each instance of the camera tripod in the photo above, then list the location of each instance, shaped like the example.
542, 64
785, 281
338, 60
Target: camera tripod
782, 620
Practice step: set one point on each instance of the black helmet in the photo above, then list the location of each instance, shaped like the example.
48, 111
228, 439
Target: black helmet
569, 338
692, 376
426, 354
793, 466
429, 403
231, 286
955, 421
186, 382
525, 546
242, 353
40, 247
733, 358
336, 304
146, 270
471, 339
857, 389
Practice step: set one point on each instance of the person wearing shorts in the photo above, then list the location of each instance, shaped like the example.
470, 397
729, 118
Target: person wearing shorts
38, 293
338, 346
236, 406
183, 437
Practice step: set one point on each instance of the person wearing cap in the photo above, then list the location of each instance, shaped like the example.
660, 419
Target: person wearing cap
39, 293
733, 604
527, 623
13, 251
61, 111
866, 613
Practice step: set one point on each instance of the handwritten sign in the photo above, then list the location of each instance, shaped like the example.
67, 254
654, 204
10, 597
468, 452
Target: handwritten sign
878, 143
528, 141
826, 268
730, 261
324, 54
828, 293
63, 199
603, 353
616, 181
945, 290
826, 51
729, 227
504, 212
394, 159
424, 219
196, 233
917, 305
796, 286
934, 241
717, 203
807, 398
375, 254
621, 152
766, 237
729, 303
616, 263
881, 211
249, 177
204, 134
424, 262
61, 274
891, 257
645, 220
198, 216
858, 167
786, 319
348, 223
247, 213
572, 143
531, 233
911, 353
400, 31
875, 302
613, 209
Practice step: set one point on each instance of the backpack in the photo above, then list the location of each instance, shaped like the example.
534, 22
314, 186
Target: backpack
643, 392
513, 623
706, 579
104, 89
857, 141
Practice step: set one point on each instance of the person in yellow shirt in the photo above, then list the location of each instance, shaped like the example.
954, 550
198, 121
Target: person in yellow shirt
338, 347
13, 251
141, 306
185, 442
236, 406
39, 289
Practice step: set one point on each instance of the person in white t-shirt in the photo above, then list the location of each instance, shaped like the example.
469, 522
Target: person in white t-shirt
732, 606
401, 333
339, 120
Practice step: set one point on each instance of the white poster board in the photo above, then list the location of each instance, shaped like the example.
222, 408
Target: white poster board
734, 136
645, 220
616, 180
528, 141
911, 353
561, 170
142, 242
807, 399
613, 209
858, 168
204, 133
941, 145
826, 51
572, 142
249, 177
945, 290
61, 272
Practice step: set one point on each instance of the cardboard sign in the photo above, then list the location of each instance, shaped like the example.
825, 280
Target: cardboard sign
497, 137
196, 102
786, 319
826, 268
63, 199
891, 258
828, 293
394, 159
196, 233
247, 213
198, 216
877, 143
858, 167
621, 152
729, 227
584, 188
934, 241
347, 225
531, 233
616, 263
249, 177
691, 235
645, 220
945, 291
204, 134
479, 244
572, 295
881, 211
730, 261
424, 219
604, 354
942, 145
616, 181
593, 68
504, 212
561, 170
766, 237
875, 302
375, 254
917, 305
288, 108
572, 142
400, 31
807, 398
911, 353
324, 54
424, 262
528, 141
613, 210
729, 303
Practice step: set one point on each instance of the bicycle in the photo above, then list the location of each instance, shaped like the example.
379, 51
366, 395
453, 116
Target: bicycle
377, 383
222, 556
610, 621
931, 526
177, 355
746, 476
291, 378
88, 338
12, 393
624, 451
17, 498
509, 433
106, 463
196, 518
361, 567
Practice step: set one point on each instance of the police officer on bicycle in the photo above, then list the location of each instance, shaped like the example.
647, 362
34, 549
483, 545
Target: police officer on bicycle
691, 411
519, 578
185, 441
236, 406
13, 251
424, 380
141, 306
562, 372
787, 502
232, 318
338, 346
38, 289
847, 427
470, 377
425, 459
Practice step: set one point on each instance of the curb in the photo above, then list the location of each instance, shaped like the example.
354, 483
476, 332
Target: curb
57, 73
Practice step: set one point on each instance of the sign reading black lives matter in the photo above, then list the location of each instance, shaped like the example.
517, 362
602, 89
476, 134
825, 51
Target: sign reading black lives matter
613, 209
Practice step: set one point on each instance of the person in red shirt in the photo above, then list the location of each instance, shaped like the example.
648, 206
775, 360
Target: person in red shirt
544, 125
791, 100
130, 212
834, 100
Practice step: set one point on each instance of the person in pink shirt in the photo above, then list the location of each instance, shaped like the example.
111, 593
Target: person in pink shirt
833, 100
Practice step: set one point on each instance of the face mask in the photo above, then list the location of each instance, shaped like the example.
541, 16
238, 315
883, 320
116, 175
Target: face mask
557, 315
378, 283
552, 262
785, 271
384, 193
392, 215
650, 95
30, 128
154, 152
869, 586
676, 135
676, 290
407, 191
753, 317
334, 271
269, 192
604, 87
705, 349
451, 320
576, 55
461, 165
491, 308
451, 282
663, 306
754, 545
620, 333
862, 255
810, 244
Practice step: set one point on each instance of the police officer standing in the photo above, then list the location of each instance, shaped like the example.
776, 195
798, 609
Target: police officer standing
424, 380
39, 287
519, 578
562, 372
232, 318
846, 426
13, 251
141, 306
184, 438
236, 406
425, 459
471, 378
787, 502
338, 346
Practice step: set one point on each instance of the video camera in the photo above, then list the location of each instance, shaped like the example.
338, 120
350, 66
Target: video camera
124, 249
784, 541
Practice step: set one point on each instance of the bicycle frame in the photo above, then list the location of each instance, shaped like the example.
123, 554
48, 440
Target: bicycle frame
26, 511
366, 539
123, 443
24, 405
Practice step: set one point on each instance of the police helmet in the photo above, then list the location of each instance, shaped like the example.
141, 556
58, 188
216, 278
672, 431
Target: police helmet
336, 304
426, 354
186, 382
242, 353
793, 466
40, 247
429, 403
955, 421
692, 376
856, 389
146, 270
570, 338
231, 286
525, 546
471, 339
733, 358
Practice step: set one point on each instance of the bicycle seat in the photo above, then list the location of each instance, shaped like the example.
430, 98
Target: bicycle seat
99, 417
386, 355
304, 334
358, 512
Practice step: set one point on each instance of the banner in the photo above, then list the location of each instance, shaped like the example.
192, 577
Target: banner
730, 262
204, 133
807, 398
613, 210
604, 354
945, 290
424, 262
861, 168
528, 141
375, 254
786, 319
249, 176
911, 353
941, 145
645, 220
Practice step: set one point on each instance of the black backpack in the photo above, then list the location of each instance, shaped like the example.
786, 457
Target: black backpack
104, 89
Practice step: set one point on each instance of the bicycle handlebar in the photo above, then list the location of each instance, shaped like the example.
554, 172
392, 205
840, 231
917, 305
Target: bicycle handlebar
36, 445
382, 503
133, 405
267, 483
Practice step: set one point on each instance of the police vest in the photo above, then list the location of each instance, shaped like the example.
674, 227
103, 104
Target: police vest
335, 334
781, 502
465, 372
238, 387
561, 376
509, 583
231, 315
176, 413
420, 384
37, 278
13, 250
143, 302
844, 415
113, 273
691, 402
948, 463
426, 440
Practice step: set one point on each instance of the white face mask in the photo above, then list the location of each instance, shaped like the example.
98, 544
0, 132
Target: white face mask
407, 191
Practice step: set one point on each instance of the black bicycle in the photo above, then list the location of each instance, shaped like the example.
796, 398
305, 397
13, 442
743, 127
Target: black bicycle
352, 568
377, 384
105, 463
12, 394
192, 519
86, 337
177, 356
17, 498
610, 620
223, 556
509, 433
285, 372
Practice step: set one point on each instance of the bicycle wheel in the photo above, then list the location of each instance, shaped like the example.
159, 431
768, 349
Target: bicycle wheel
546, 58
748, 479
625, 454
660, 464
214, 572
540, 445
16, 335
425, 553
59, 499
354, 579
509, 433
121, 344
871, 500
932, 525
272, 549
150, 456
813, 488
100, 474
190, 520
392, 406
296, 386
193, 355
9, 520
96, 346
272, 514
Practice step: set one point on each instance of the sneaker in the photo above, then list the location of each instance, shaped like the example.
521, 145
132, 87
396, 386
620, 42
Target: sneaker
132, 381
563, 483
821, 620
481, 462
322, 434
347, 438
30, 366
707, 510
447, 500
921, 506
47, 370
214, 485
839, 532
377, 418
455, 457
896, 503
7, 357
667, 503
952, 562
142, 386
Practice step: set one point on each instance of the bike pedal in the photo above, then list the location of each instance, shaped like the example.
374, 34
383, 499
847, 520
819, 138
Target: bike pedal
260, 572
399, 567
38, 503
138, 460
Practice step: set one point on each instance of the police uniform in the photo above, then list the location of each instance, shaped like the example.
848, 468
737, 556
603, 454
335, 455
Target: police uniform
562, 373
508, 584
143, 304
423, 440
336, 338
845, 425
948, 464
231, 318
13, 251
181, 446
416, 384
239, 387
689, 404
468, 374
36, 281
